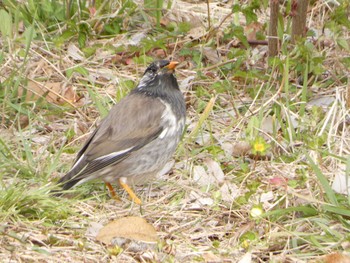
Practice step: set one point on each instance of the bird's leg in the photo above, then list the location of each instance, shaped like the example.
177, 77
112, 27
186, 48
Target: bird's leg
112, 192
129, 191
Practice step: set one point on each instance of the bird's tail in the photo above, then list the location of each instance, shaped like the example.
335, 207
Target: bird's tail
66, 182
69, 180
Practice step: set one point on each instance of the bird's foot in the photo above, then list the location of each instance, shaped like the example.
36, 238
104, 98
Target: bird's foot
131, 193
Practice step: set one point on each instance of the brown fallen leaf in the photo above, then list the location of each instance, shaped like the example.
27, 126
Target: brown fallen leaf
212, 55
278, 181
23, 121
54, 92
132, 227
336, 258
241, 148
252, 29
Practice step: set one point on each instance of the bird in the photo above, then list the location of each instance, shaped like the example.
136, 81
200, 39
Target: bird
138, 136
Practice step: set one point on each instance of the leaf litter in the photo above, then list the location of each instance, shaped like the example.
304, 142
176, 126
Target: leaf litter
135, 228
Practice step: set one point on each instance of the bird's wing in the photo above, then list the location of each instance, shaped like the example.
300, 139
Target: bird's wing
131, 124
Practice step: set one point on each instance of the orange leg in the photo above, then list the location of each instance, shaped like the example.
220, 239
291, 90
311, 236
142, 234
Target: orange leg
112, 192
130, 192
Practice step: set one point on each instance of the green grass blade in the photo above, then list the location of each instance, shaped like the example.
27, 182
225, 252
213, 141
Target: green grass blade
324, 182
337, 210
307, 210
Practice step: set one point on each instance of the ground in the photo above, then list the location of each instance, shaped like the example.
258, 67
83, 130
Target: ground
260, 174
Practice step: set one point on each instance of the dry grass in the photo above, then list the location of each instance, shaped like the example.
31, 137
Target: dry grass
207, 218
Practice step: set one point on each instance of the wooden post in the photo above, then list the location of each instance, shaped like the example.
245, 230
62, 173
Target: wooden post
273, 40
298, 12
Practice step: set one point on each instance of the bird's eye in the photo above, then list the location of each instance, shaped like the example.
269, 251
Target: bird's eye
163, 63
156, 66
152, 69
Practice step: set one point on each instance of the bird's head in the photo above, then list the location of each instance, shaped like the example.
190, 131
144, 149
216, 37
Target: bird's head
155, 71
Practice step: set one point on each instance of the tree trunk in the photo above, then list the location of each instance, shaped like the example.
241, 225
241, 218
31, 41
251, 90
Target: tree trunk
273, 40
299, 11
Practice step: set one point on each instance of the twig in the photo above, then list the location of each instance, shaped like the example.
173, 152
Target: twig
220, 64
208, 11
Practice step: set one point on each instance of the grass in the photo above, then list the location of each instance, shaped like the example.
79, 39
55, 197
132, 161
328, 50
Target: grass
253, 175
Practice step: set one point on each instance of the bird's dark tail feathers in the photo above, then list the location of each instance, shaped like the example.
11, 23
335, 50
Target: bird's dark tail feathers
66, 182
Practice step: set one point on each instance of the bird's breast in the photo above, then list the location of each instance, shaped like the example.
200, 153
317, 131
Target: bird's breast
172, 125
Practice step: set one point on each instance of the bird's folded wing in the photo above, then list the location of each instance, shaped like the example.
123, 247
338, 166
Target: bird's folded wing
131, 124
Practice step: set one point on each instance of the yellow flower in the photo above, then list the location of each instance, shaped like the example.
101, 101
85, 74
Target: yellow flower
259, 146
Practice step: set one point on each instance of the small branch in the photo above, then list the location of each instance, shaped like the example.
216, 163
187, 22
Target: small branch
208, 12
258, 42
220, 64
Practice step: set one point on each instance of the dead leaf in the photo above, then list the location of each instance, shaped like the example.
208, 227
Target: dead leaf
200, 200
133, 228
104, 74
229, 192
203, 138
102, 54
185, 83
215, 169
278, 181
227, 147
166, 169
136, 39
92, 11
240, 149
251, 30
158, 53
196, 33
212, 55
176, 15
41, 139
23, 121
341, 183
324, 102
75, 53
336, 258
265, 197
201, 176
213, 175
54, 92
270, 124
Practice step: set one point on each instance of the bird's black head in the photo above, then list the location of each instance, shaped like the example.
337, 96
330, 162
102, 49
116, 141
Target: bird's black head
155, 72
158, 81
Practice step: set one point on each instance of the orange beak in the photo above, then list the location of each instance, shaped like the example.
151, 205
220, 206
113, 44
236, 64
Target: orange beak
172, 65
